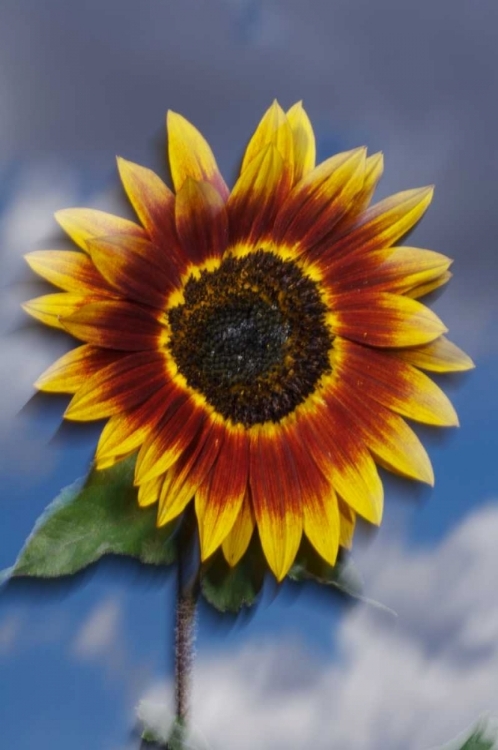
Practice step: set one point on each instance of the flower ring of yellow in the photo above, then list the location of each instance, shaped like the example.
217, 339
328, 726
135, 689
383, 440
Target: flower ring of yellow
260, 348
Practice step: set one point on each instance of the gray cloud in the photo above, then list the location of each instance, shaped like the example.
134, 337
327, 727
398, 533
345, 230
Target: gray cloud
409, 684
417, 80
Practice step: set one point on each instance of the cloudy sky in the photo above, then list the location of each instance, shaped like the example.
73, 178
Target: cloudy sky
82, 82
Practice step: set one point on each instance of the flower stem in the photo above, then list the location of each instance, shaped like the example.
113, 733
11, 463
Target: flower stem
186, 601
184, 649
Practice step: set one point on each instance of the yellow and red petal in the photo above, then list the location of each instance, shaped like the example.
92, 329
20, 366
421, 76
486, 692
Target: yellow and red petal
374, 167
182, 421
191, 156
273, 129
119, 387
440, 355
343, 458
51, 308
123, 326
189, 471
429, 286
385, 433
82, 224
277, 503
320, 510
382, 319
218, 500
132, 267
257, 197
126, 432
378, 227
319, 200
201, 221
304, 141
152, 200
237, 541
73, 369
68, 270
394, 383
395, 269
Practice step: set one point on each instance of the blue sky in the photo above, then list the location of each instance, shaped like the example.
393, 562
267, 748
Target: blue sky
82, 82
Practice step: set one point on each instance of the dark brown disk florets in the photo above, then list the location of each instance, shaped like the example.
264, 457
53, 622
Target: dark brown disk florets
251, 337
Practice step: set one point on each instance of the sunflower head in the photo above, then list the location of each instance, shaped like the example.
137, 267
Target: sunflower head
260, 349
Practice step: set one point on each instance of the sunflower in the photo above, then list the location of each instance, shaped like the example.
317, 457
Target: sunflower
260, 348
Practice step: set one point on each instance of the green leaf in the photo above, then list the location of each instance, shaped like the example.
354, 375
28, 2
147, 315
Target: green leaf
92, 518
229, 589
483, 735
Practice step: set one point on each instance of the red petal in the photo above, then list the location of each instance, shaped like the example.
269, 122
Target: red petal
131, 266
257, 197
382, 319
393, 383
115, 325
182, 421
319, 200
276, 494
120, 386
219, 498
201, 221
185, 477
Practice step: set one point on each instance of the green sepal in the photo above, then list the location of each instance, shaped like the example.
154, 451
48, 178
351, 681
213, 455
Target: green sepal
483, 735
344, 575
93, 517
229, 589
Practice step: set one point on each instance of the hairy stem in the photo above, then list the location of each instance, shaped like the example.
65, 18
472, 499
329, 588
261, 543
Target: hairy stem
184, 649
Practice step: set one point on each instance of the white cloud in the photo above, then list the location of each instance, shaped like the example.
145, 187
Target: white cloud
100, 632
410, 685
26, 223
40, 189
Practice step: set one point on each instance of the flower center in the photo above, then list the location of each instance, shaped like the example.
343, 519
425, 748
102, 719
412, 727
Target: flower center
251, 337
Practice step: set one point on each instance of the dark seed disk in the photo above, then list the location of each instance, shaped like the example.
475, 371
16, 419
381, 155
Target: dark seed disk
251, 337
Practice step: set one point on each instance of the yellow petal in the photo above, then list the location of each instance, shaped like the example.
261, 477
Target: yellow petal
304, 141
111, 461
81, 224
69, 372
382, 319
236, 543
322, 525
170, 506
348, 523
50, 308
191, 156
71, 271
429, 286
273, 129
152, 200
440, 355
148, 492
